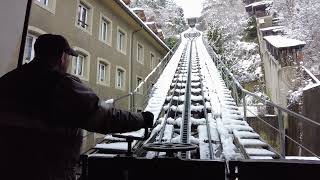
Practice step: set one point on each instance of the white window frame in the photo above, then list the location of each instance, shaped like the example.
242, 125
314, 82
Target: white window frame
152, 60
35, 32
107, 72
79, 71
46, 2
119, 31
50, 5
124, 78
34, 37
140, 59
86, 64
89, 16
140, 90
103, 19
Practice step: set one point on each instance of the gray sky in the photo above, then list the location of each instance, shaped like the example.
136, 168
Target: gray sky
192, 8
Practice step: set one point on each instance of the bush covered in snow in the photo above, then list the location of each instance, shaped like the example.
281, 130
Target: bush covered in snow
232, 33
301, 17
168, 15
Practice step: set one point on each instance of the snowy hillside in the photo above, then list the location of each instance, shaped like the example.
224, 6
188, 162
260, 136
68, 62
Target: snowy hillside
166, 13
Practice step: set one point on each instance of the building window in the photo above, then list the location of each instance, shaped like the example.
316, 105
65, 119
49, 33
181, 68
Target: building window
105, 30
32, 35
80, 65
28, 48
84, 16
140, 54
120, 78
49, 5
44, 2
103, 72
139, 90
152, 61
121, 41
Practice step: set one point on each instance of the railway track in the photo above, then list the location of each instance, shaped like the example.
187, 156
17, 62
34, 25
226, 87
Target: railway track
193, 105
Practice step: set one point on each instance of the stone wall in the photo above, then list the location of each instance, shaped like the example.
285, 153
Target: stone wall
311, 133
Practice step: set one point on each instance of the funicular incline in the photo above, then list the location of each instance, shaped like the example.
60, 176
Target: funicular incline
196, 120
199, 109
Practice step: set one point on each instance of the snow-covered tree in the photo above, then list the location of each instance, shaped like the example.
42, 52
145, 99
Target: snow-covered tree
166, 13
302, 17
232, 33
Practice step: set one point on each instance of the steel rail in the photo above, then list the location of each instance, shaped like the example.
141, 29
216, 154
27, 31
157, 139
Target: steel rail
211, 153
186, 114
166, 116
218, 100
161, 134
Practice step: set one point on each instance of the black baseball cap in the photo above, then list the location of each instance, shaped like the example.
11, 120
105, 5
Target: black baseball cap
52, 45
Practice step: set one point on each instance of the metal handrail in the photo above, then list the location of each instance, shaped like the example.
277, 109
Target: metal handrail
237, 86
162, 63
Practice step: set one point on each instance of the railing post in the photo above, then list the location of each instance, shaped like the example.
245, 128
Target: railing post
235, 93
244, 107
282, 134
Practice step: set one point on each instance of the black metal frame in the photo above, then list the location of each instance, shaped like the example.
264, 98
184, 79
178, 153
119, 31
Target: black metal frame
274, 169
24, 33
97, 166
124, 168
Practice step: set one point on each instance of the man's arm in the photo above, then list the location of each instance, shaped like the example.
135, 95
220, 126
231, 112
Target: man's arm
75, 105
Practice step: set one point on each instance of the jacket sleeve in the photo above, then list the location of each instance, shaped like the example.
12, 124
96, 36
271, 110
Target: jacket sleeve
75, 105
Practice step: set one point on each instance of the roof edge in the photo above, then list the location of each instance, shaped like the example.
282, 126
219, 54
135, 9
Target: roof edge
139, 21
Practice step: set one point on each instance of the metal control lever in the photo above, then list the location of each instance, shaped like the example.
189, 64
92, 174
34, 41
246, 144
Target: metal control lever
129, 139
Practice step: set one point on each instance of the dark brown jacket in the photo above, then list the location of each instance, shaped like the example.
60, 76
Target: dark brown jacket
41, 113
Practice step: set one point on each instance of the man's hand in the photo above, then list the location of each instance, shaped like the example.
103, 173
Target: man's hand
148, 119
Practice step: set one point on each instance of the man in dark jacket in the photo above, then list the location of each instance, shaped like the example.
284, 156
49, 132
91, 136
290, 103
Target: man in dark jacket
42, 112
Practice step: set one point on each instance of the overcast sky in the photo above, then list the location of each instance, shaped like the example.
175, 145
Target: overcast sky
192, 8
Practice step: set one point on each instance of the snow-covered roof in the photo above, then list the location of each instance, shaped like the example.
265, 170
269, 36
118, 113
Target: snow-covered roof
138, 20
283, 42
260, 3
272, 28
